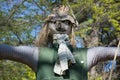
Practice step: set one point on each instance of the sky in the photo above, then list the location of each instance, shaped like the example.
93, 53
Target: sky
28, 10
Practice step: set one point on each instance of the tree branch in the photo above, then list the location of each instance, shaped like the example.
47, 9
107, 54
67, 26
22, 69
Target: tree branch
20, 41
38, 5
14, 9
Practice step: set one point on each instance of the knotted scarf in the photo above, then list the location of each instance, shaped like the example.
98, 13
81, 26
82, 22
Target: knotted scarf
64, 54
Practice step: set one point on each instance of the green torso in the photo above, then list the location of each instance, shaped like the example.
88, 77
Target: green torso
47, 58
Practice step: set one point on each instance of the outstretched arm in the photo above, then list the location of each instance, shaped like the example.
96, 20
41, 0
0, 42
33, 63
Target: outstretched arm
97, 54
23, 54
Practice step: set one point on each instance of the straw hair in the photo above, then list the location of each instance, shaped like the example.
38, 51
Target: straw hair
61, 10
73, 41
43, 36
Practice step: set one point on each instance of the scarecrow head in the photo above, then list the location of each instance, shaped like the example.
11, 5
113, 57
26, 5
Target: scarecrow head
59, 22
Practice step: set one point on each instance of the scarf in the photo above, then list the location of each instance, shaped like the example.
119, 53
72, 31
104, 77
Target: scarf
64, 54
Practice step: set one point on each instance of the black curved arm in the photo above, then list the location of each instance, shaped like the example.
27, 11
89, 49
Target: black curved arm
98, 54
23, 54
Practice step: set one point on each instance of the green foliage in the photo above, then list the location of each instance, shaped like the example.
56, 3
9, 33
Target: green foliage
20, 23
10, 70
115, 24
104, 29
105, 16
17, 29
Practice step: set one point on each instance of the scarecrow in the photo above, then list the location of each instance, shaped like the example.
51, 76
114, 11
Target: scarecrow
55, 56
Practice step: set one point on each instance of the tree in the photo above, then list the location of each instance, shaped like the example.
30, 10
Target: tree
21, 20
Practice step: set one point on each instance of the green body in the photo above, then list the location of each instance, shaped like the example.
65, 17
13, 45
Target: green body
47, 58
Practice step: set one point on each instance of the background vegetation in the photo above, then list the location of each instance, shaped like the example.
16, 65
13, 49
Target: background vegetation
21, 20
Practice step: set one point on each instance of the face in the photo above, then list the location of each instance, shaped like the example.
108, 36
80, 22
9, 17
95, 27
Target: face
60, 27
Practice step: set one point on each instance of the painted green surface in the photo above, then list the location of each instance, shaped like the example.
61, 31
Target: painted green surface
47, 60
